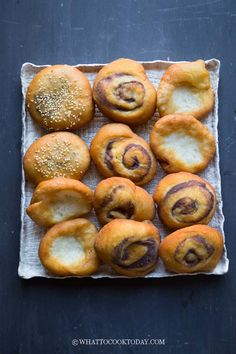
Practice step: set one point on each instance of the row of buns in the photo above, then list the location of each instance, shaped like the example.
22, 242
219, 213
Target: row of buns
60, 98
183, 199
178, 142
128, 242
131, 248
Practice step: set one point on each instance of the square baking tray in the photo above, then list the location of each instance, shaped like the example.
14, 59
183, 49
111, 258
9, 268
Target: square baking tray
29, 263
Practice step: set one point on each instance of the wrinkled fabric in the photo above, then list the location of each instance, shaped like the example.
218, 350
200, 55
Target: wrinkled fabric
29, 265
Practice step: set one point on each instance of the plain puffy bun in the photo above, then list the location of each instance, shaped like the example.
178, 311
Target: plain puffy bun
185, 88
182, 143
68, 248
59, 199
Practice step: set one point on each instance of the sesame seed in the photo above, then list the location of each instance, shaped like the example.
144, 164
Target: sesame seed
56, 159
58, 101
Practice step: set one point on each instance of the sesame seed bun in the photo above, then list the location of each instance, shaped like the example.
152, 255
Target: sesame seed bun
60, 98
60, 154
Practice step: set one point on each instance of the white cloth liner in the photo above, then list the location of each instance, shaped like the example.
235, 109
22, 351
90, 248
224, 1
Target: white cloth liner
29, 264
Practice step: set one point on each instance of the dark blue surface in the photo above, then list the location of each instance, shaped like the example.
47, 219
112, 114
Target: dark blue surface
194, 314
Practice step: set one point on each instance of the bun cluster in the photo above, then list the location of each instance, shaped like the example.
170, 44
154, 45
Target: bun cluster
60, 99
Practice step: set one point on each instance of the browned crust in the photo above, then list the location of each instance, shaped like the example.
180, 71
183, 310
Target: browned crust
118, 231
60, 154
128, 67
165, 206
47, 195
188, 125
120, 196
120, 134
85, 232
60, 98
170, 243
192, 74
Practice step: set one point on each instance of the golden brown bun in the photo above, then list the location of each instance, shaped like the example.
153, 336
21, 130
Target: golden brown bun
117, 151
185, 88
60, 154
184, 199
60, 98
196, 248
129, 247
124, 93
68, 248
182, 143
59, 199
120, 198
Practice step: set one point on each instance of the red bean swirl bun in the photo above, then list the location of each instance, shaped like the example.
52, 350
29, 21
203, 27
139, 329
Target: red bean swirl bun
117, 151
120, 198
129, 247
124, 93
196, 248
184, 199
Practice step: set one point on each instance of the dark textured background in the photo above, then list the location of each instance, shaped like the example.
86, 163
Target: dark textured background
194, 314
